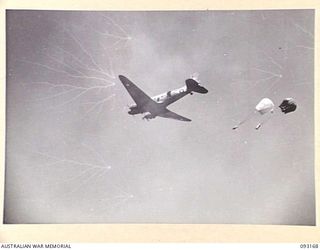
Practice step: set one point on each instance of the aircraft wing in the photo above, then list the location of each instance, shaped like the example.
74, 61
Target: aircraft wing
172, 115
137, 94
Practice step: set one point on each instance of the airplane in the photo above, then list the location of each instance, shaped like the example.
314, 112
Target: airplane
157, 105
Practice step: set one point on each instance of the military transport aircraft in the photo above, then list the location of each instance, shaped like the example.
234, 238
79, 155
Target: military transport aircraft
157, 105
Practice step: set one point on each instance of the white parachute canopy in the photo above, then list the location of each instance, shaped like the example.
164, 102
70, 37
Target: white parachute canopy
265, 106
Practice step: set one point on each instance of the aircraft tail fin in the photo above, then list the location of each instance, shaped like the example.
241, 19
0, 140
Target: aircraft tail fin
194, 86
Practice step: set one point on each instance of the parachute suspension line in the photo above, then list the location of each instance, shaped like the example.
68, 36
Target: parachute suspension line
249, 116
264, 121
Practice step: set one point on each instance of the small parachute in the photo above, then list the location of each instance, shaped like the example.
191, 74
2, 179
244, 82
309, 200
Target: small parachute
266, 106
288, 105
263, 107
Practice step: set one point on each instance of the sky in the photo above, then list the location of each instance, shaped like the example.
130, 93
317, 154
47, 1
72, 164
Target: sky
74, 155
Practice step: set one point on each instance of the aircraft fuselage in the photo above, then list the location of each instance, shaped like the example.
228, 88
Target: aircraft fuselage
163, 100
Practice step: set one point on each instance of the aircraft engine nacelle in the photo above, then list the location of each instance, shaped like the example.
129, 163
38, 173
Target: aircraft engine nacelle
148, 117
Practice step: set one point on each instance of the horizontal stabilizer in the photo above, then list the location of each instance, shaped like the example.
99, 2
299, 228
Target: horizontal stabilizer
193, 86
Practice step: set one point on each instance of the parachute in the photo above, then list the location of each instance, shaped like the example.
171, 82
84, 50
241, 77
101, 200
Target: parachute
266, 106
288, 105
263, 107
